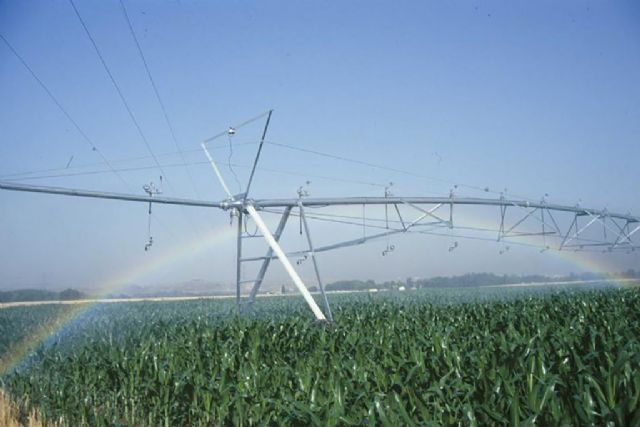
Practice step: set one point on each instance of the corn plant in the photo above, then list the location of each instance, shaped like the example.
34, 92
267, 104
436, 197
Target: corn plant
549, 357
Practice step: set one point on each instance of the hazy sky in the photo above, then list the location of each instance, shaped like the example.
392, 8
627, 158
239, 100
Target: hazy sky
536, 97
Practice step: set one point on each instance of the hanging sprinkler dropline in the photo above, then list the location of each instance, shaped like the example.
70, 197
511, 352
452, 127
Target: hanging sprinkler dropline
390, 248
454, 243
303, 191
152, 191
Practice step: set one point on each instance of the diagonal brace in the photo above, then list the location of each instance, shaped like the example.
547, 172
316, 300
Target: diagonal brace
427, 212
297, 281
578, 232
268, 257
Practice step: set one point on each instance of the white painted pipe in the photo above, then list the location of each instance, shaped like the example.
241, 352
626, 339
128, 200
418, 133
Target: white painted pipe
216, 170
285, 262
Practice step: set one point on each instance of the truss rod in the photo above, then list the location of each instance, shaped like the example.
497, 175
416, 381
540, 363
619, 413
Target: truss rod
622, 234
578, 232
345, 201
525, 234
354, 242
580, 245
531, 212
429, 212
602, 220
345, 244
402, 220
313, 202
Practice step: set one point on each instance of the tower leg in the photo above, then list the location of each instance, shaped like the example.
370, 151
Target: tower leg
315, 263
239, 260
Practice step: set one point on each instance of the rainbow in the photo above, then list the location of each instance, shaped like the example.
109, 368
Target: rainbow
199, 243
586, 261
207, 240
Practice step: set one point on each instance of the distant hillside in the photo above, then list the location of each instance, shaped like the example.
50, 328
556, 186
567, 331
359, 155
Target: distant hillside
22, 295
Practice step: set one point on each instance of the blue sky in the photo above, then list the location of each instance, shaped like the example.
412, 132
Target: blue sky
536, 97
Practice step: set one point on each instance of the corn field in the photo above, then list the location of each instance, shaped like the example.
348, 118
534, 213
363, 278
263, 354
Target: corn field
430, 358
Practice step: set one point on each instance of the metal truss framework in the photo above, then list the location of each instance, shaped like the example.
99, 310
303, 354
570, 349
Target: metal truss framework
587, 230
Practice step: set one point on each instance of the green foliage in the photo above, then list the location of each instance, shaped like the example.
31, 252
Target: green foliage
412, 358
40, 295
18, 324
470, 280
71, 295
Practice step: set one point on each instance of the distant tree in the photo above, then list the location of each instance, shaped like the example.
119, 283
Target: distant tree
283, 290
28, 295
71, 294
351, 285
22, 295
466, 281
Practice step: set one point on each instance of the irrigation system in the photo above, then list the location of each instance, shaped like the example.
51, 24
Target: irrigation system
545, 226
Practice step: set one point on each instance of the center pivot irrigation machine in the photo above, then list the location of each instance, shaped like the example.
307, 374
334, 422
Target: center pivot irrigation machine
555, 227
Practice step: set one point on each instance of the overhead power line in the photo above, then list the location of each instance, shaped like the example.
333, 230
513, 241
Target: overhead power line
118, 90
387, 168
75, 124
158, 97
64, 111
287, 146
13, 178
120, 160
128, 108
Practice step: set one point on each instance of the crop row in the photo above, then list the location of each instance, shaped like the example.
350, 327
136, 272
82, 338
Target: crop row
553, 358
